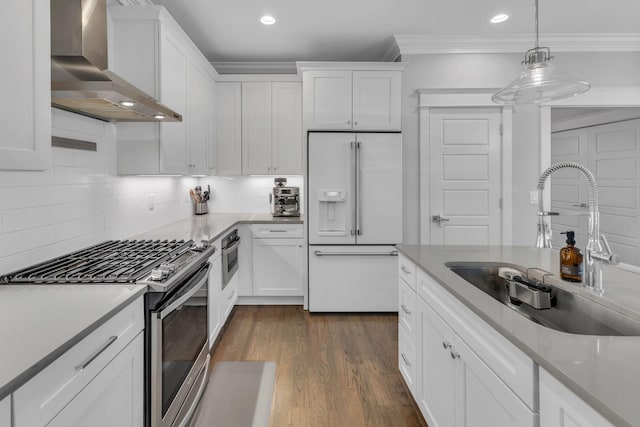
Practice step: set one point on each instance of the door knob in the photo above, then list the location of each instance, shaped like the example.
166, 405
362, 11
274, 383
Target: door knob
439, 219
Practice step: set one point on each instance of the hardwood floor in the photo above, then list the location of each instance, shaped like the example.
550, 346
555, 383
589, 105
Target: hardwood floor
332, 369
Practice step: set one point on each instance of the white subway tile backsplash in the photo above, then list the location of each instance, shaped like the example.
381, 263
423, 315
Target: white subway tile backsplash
13, 198
24, 240
78, 175
71, 229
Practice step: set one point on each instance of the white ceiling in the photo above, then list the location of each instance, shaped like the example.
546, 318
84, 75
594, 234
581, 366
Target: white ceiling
362, 30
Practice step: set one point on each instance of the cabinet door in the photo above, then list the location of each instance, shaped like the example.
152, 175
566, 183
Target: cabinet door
200, 96
228, 298
376, 100
5, 412
174, 63
214, 291
277, 267
229, 128
435, 385
560, 407
256, 128
286, 145
114, 397
482, 399
328, 100
26, 86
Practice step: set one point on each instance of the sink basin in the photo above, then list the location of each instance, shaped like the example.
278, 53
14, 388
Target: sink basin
571, 313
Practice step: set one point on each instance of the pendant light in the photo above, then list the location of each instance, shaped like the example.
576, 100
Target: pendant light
539, 81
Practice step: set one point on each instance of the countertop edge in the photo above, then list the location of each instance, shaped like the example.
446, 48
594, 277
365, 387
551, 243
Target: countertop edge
35, 369
567, 381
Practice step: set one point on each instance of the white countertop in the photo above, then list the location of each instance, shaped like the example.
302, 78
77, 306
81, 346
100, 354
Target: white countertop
604, 371
211, 226
38, 323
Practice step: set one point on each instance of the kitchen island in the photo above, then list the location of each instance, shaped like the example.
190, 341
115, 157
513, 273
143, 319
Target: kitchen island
601, 370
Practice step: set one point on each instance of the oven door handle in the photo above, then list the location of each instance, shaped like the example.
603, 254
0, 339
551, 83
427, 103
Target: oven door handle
166, 310
231, 247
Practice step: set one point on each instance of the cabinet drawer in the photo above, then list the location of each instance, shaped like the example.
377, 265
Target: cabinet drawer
509, 363
276, 231
42, 397
407, 270
407, 310
407, 360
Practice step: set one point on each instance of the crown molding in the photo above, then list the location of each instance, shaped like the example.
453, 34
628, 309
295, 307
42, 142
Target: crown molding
255, 67
391, 53
516, 43
353, 66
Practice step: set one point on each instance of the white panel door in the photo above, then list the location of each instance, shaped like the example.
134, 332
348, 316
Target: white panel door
614, 159
465, 176
378, 188
229, 128
174, 67
482, 399
286, 146
436, 368
328, 100
568, 187
114, 397
277, 267
376, 100
256, 128
26, 86
200, 95
331, 170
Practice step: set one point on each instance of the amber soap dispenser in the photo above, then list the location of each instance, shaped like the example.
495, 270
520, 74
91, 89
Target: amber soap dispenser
570, 260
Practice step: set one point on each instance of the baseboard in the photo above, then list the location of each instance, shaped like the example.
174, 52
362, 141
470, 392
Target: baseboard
252, 300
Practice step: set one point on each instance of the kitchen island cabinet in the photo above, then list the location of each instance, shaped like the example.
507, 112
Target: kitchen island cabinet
26, 113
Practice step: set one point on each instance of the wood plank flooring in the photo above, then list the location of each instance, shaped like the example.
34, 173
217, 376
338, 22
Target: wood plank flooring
332, 369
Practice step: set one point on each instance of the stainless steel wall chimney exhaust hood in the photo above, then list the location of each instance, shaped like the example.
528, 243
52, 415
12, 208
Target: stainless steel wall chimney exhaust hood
80, 77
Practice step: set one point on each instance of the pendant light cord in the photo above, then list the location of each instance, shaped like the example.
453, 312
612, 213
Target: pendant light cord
536, 13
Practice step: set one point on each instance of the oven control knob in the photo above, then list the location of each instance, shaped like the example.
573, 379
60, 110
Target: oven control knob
163, 271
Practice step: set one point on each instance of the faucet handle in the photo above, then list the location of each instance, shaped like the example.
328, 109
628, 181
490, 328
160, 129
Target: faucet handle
607, 255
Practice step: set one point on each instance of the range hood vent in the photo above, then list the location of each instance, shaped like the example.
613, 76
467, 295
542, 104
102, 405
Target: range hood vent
80, 77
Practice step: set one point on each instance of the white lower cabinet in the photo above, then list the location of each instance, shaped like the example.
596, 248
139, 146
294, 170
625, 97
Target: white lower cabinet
5, 412
560, 407
465, 374
228, 298
113, 397
277, 267
98, 382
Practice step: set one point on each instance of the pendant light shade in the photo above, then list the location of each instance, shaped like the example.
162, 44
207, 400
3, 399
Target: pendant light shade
539, 80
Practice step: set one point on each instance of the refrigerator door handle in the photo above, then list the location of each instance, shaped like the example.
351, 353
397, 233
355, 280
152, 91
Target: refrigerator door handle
358, 192
390, 253
354, 162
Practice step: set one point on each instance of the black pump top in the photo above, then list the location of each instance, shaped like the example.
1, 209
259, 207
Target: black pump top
570, 237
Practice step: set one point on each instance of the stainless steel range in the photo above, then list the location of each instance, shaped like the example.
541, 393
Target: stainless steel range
176, 339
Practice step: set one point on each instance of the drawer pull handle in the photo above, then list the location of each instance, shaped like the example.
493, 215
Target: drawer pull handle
406, 361
97, 353
446, 345
405, 270
455, 355
231, 295
405, 309
278, 231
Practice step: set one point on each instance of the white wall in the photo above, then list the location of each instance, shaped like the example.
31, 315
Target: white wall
244, 194
447, 71
81, 200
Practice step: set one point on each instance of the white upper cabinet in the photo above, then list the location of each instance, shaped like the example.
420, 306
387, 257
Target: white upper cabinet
271, 128
26, 86
352, 99
151, 51
228, 141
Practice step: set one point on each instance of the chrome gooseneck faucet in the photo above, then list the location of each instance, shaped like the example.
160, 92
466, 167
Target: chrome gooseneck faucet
595, 255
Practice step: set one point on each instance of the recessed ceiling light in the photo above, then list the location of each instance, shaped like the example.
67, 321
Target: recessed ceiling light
268, 20
127, 103
499, 18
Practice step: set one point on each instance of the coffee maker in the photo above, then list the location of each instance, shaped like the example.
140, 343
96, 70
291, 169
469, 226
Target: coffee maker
285, 201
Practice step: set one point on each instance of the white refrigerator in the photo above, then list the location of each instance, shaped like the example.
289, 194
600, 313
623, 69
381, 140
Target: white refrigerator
354, 216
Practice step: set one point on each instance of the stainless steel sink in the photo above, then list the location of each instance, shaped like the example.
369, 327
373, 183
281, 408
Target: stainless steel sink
571, 313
